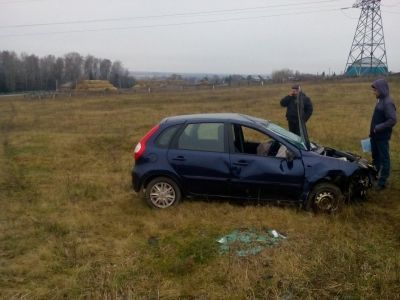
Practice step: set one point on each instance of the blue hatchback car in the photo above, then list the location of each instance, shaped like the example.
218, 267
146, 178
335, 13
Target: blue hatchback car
238, 156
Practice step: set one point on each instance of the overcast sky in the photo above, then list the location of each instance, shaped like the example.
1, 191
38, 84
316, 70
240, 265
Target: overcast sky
219, 36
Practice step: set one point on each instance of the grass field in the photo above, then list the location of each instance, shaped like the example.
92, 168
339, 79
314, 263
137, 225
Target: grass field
71, 227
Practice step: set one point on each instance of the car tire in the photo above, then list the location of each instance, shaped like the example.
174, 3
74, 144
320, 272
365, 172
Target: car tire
325, 197
162, 192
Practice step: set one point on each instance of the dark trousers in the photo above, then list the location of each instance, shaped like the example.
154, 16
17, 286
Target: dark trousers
381, 159
294, 126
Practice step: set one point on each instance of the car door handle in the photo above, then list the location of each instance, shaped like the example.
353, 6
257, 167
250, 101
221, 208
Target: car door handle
241, 163
179, 158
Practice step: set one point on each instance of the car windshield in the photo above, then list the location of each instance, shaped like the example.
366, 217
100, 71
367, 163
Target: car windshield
287, 135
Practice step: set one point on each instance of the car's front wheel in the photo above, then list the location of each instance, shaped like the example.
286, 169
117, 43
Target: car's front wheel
325, 197
162, 192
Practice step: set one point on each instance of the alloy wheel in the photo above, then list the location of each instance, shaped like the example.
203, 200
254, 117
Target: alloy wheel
162, 195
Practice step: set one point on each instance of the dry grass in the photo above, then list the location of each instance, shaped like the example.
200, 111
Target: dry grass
71, 227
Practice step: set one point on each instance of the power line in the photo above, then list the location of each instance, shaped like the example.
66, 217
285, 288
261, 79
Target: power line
391, 12
166, 15
391, 5
17, 2
168, 25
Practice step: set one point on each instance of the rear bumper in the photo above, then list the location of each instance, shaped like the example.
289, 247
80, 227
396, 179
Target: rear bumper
135, 182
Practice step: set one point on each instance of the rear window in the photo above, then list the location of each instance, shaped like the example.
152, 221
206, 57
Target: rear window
202, 137
164, 139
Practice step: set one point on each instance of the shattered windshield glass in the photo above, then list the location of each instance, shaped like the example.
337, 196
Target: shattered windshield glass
287, 135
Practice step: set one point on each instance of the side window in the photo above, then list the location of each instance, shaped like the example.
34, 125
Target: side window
164, 139
251, 135
202, 137
250, 141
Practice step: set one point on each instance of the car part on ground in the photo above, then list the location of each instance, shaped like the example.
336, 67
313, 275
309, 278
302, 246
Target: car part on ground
245, 242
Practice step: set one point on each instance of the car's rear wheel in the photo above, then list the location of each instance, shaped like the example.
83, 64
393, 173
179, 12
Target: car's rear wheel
325, 197
162, 192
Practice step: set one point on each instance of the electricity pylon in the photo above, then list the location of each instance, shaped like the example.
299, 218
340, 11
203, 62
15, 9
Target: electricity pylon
368, 52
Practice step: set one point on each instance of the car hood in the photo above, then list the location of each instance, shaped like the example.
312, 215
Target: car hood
344, 156
302, 123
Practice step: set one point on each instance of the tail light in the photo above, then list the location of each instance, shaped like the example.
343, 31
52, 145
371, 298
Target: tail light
141, 146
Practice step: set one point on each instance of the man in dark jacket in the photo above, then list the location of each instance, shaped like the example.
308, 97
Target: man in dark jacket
290, 102
383, 120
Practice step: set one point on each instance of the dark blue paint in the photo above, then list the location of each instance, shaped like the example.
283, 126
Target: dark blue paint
245, 176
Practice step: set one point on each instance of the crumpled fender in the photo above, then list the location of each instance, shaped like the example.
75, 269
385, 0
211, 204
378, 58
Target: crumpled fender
317, 169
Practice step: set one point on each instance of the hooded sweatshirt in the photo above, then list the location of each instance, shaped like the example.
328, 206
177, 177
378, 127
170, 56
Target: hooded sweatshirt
384, 116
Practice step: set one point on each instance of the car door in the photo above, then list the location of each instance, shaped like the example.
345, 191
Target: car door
260, 168
200, 157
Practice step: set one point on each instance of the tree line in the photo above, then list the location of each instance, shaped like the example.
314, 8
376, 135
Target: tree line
25, 72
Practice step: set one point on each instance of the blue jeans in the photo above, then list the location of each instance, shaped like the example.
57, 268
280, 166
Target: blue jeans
381, 159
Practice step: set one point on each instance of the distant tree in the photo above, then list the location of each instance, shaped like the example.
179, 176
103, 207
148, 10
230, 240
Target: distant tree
91, 67
2, 74
249, 78
105, 69
47, 66
9, 72
73, 66
128, 81
120, 77
59, 70
88, 67
116, 75
228, 80
282, 75
31, 72
96, 68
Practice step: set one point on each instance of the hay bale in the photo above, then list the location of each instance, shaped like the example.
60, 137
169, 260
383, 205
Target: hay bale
95, 86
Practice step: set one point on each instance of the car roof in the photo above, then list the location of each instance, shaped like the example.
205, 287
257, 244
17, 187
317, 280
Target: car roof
214, 117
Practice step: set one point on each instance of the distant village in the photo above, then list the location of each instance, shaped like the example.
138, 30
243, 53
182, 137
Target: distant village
74, 73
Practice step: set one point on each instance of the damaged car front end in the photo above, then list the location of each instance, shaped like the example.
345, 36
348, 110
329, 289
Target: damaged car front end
349, 172
363, 173
325, 167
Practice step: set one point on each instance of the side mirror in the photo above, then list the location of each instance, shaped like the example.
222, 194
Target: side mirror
289, 155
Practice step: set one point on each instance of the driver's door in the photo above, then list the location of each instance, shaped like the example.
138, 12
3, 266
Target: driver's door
259, 167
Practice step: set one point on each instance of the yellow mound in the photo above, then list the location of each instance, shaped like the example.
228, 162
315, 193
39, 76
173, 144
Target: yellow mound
95, 86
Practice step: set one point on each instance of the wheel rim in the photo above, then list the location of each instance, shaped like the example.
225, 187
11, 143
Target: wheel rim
326, 201
162, 195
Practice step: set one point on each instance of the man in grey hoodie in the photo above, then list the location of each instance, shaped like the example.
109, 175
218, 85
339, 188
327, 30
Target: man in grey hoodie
383, 120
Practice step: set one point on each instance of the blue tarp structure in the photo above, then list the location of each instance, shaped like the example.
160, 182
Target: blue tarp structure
362, 71
367, 66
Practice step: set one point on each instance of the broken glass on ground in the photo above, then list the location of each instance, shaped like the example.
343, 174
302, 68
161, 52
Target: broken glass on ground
246, 242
